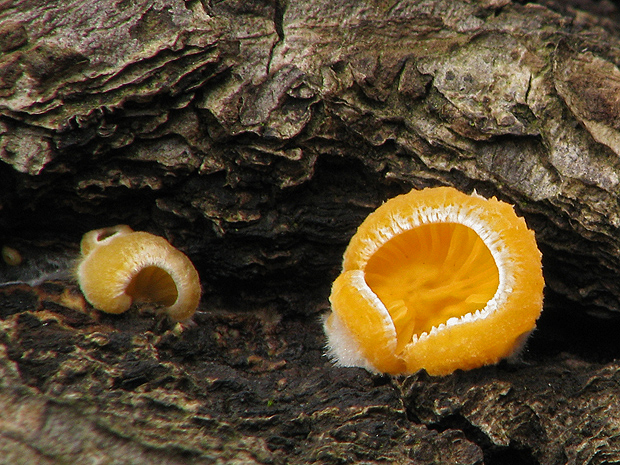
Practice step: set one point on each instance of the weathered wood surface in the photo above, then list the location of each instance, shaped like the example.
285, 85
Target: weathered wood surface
256, 136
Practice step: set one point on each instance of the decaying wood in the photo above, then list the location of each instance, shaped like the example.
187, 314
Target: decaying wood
256, 136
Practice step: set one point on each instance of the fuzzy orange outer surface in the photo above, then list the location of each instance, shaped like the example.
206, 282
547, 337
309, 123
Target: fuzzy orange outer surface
495, 331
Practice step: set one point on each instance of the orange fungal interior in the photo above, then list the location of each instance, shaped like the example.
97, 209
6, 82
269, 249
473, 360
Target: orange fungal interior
433, 269
153, 284
430, 274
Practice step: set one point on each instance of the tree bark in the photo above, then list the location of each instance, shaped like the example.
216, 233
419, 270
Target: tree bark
256, 136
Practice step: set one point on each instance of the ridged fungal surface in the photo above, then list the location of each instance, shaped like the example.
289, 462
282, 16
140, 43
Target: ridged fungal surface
437, 280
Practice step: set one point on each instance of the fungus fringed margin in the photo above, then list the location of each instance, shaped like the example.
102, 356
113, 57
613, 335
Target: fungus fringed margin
120, 266
437, 280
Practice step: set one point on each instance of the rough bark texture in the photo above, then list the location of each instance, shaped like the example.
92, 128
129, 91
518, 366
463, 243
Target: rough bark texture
256, 136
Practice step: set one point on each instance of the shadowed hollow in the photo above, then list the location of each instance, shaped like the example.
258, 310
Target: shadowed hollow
153, 284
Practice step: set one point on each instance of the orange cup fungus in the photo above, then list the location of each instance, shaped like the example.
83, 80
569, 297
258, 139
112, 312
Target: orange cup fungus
119, 266
437, 280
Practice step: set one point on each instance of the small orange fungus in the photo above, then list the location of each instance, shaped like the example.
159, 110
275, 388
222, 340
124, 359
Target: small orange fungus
11, 256
119, 266
437, 280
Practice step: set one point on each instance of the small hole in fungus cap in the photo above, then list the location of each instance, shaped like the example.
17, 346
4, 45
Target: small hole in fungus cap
105, 233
